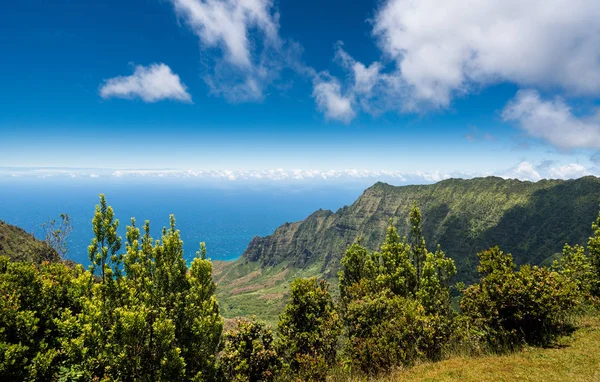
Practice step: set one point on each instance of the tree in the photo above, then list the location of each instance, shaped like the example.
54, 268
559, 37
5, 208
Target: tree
515, 307
308, 329
56, 234
395, 302
249, 353
593, 248
575, 265
158, 321
33, 299
106, 241
419, 250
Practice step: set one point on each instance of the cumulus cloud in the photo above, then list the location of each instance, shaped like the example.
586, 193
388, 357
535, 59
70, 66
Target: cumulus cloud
545, 170
367, 89
152, 83
523, 171
246, 33
569, 171
330, 100
444, 47
434, 50
552, 121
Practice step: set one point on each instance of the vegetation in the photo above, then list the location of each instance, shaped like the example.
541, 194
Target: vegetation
249, 354
395, 302
18, 245
532, 221
57, 234
141, 313
309, 328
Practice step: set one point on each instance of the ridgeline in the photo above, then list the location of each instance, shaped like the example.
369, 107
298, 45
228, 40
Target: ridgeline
531, 220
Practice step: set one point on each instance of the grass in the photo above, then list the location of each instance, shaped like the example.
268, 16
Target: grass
244, 289
574, 358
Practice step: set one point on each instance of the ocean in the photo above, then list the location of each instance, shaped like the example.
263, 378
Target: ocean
226, 218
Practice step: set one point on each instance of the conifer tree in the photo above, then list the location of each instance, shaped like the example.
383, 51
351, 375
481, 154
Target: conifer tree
419, 249
308, 329
106, 243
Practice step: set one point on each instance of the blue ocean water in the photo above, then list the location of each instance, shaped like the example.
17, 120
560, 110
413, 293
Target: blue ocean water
226, 218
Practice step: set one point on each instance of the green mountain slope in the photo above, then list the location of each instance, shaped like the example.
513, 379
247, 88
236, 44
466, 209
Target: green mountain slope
19, 245
531, 220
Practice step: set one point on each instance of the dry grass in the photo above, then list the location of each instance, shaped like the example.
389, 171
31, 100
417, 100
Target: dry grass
574, 359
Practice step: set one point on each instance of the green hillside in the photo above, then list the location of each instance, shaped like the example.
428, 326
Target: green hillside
530, 220
19, 245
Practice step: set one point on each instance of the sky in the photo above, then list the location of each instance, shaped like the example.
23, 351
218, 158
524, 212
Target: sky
294, 90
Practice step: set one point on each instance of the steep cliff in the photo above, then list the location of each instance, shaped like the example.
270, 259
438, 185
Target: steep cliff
19, 245
531, 220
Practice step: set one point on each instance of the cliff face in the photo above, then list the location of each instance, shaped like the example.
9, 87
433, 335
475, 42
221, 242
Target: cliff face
531, 220
19, 245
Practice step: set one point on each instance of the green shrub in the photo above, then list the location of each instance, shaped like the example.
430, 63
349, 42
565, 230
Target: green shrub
384, 331
32, 298
511, 307
396, 302
309, 328
249, 353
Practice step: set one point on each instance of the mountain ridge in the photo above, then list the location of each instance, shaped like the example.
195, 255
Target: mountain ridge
532, 220
18, 245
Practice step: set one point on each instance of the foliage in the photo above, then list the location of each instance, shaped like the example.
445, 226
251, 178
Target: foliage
249, 353
106, 241
146, 317
18, 245
308, 329
594, 252
383, 331
530, 305
56, 234
159, 321
575, 265
395, 302
32, 299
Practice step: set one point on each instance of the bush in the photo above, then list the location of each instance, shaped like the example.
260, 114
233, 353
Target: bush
511, 307
249, 353
395, 302
309, 328
383, 330
32, 298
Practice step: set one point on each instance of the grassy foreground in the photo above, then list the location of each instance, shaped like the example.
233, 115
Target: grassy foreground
574, 358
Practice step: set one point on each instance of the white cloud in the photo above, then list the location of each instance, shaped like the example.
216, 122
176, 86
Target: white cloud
569, 171
153, 83
246, 32
523, 171
552, 121
444, 47
330, 100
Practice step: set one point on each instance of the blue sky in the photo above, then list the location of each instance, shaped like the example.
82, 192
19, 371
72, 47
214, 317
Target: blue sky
421, 90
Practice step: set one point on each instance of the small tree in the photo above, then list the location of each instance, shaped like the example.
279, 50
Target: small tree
56, 234
249, 353
419, 250
593, 248
106, 240
575, 265
529, 305
308, 329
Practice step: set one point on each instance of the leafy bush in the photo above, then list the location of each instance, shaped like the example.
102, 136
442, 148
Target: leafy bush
575, 265
395, 302
511, 307
308, 329
32, 298
383, 330
249, 353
